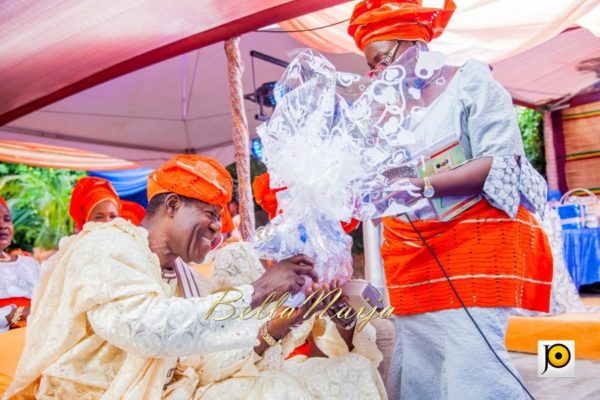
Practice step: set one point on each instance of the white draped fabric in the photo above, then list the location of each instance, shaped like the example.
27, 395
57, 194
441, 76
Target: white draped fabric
490, 30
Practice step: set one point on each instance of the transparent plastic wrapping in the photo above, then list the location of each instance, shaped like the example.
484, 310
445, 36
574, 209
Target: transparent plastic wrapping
344, 147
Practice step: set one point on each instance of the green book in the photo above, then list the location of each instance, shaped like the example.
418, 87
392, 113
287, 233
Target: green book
445, 155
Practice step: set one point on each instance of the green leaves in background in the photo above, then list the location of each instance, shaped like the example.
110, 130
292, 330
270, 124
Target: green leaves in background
39, 199
256, 168
531, 125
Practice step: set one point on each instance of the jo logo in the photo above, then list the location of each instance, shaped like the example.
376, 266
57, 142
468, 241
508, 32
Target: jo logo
556, 358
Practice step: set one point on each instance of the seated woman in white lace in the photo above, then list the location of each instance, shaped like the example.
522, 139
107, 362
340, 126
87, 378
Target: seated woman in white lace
18, 276
339, 363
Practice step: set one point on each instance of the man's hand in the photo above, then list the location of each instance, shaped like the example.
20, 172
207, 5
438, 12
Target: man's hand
288, 275
345, 327
342, 302
280, 326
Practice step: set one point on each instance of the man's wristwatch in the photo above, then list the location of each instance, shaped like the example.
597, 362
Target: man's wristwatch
428, 190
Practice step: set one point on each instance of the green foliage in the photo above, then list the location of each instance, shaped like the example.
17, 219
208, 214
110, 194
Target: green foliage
39, 199
256, 168
532, 132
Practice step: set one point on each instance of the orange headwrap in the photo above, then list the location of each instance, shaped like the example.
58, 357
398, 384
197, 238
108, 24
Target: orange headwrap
227, 225
87, 194
267, 199
4, 203
132, 211
196, 177
380, 20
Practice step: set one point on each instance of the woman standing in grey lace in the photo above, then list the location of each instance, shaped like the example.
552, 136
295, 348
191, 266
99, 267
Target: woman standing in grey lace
494, 253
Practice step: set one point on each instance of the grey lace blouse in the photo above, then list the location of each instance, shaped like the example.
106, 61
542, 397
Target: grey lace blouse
480, 113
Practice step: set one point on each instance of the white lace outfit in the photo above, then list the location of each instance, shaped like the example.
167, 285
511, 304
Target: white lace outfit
17, 279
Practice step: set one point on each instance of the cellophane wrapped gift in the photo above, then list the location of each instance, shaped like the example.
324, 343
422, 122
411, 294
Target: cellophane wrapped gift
343, 146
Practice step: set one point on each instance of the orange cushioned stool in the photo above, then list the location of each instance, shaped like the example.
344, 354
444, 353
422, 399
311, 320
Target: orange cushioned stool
11, 346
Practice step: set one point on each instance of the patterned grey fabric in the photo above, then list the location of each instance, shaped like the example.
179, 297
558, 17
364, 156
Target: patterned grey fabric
501, 187
509, 185
533, 187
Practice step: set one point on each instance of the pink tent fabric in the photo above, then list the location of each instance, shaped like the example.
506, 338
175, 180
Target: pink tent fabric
54, 49
51, 49
175, 106
559, 69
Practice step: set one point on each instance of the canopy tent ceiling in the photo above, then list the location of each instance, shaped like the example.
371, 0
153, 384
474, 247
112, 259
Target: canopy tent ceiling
176, 106
54, 48
182, 104
553, 72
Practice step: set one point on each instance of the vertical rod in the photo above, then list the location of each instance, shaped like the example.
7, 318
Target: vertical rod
241, 137
372, 234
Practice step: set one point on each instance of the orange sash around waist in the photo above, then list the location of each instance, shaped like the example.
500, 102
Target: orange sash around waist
17, 301
492, 260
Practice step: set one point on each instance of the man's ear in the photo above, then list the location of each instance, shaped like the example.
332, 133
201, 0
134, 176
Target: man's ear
173, 202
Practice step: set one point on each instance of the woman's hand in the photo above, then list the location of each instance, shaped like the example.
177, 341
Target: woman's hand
345, 326
280, 326
468, 179
22, 318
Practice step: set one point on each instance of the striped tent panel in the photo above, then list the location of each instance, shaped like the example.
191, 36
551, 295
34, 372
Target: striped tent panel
42, 155
581, 129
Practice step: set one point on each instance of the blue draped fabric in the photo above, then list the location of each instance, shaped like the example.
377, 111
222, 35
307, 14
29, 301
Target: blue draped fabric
130, 184
582, 254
